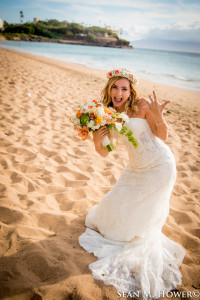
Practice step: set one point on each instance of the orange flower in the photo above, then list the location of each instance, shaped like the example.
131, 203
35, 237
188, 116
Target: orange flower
98, 105
90, 107
98, 120
84, 133
107, 110
79, 114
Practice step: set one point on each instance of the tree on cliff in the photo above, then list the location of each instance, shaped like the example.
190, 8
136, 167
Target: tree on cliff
21, 16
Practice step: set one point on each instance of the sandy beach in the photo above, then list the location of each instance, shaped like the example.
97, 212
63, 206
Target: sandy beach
50, 179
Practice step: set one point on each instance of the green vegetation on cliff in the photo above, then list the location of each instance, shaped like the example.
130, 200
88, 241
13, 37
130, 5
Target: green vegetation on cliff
64, 31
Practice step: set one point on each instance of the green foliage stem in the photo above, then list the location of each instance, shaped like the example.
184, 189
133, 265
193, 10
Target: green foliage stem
129, 134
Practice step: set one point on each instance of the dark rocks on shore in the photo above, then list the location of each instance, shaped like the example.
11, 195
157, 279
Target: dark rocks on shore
101, 42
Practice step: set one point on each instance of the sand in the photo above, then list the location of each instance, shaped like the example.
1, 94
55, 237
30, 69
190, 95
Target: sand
50, 179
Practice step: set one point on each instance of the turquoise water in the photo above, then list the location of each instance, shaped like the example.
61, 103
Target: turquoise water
181, 69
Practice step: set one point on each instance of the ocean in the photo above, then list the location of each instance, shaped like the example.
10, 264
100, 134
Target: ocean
180, 69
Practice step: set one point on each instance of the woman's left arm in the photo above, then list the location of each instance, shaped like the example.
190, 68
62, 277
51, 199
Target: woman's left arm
154, 116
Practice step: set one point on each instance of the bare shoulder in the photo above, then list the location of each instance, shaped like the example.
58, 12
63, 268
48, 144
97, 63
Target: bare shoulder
144, 103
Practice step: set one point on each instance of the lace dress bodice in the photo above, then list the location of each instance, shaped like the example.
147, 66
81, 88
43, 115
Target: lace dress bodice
150, 149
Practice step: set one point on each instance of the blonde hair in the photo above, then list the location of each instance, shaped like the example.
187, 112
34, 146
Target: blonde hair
132, 101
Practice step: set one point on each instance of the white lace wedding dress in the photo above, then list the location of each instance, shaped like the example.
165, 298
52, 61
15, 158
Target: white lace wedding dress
133, 254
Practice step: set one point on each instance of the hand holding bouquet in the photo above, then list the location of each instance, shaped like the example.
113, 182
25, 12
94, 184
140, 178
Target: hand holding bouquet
91, 116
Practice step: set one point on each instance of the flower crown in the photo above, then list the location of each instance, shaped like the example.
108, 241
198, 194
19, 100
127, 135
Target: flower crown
123, 73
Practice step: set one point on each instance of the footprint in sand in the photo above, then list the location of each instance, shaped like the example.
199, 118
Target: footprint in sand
4, 164
60, 159
47, 152
16, 177
181, 217
9, 216
52, 222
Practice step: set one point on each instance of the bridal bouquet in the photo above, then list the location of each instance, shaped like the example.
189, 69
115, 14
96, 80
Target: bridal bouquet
91, 116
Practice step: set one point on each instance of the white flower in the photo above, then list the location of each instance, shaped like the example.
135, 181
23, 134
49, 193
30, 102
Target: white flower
100, 111
91, 124
96, 127
103, 122
118, 126
124, 117
75, 120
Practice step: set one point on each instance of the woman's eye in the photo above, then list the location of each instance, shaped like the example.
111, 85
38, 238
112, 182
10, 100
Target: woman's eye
124, 89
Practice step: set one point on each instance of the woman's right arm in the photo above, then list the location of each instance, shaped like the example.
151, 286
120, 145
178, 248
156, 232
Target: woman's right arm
98, 137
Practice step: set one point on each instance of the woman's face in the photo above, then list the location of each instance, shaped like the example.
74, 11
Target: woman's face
120, 92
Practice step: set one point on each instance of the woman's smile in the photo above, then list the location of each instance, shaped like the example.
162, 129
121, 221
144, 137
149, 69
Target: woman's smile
120, 92
117, 99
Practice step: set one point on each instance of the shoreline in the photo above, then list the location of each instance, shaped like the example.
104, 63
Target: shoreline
40, 39
92, 70
177, 85
50, 179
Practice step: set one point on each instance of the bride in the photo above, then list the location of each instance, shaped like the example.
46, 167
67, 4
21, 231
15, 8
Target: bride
124, 231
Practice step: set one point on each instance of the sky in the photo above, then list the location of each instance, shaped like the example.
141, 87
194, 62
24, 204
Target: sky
173, 20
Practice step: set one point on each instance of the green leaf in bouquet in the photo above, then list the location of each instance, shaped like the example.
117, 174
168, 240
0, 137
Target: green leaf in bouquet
123, 130
129, 133
109, 126
85, 119
133, 141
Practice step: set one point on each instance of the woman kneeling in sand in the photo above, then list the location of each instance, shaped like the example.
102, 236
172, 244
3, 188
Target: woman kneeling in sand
124, 229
